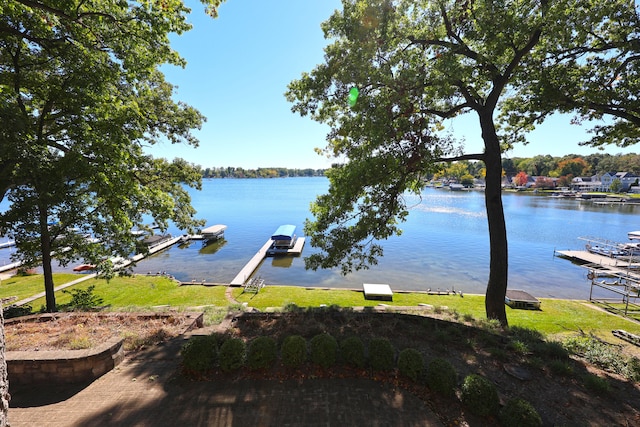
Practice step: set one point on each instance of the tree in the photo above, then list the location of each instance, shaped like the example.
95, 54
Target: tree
575, 166
82, 94
591, 68
416, 64
615, 186
521, 179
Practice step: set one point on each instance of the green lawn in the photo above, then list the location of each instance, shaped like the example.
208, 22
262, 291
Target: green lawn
555, 317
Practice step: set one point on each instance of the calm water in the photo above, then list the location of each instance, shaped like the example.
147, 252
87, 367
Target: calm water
444, 245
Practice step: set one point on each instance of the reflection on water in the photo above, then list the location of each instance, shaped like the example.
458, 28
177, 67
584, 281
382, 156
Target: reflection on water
282, 261
211, 247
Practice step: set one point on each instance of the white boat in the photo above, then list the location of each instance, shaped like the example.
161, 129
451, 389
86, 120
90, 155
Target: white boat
634, 235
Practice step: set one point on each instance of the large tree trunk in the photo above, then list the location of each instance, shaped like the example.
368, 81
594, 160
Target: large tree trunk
45, 244
498, 265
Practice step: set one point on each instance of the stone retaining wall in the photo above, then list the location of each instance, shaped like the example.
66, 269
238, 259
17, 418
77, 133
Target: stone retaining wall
73, 366
63, 366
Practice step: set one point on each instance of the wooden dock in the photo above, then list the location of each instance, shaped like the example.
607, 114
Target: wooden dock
591, 258
251, 266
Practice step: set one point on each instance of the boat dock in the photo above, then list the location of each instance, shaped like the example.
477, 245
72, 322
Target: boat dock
251, 266
587, 257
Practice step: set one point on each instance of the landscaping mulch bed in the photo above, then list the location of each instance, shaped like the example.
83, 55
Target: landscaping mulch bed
77, 331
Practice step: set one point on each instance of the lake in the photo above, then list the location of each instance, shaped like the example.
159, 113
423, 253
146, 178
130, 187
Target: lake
444, 245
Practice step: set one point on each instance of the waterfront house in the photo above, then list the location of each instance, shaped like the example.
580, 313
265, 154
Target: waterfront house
586, 184
627, 179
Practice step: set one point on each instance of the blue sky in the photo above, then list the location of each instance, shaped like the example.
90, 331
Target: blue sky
238, 68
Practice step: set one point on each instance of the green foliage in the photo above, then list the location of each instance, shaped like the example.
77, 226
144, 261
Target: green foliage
596, 384
232, 354
480, 395
16, 311
519, 413
323, 350
199, 354
381, 354
560, 368
353, 352
294, 351
441, 377
82, 299
262, 353
411, 363
602, 354
80, 101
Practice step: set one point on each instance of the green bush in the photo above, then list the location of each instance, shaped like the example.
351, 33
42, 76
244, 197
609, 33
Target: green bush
352, 352
411, 363
324, 349
596, 384
232, 353
262, 353
199, 354
82, 299
480, 395
294, 351
381, 354
441, 377
520, 413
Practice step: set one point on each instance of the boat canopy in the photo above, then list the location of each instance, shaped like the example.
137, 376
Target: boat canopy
284, 232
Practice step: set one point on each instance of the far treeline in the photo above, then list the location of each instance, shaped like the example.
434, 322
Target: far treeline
569, 166
230, 172
564, 168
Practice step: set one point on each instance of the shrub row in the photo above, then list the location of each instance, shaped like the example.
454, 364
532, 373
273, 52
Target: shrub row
203, 353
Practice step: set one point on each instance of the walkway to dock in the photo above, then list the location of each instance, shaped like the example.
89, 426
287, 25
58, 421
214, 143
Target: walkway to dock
251, 266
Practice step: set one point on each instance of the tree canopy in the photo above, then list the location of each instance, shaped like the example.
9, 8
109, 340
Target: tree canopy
81, 95
416, 64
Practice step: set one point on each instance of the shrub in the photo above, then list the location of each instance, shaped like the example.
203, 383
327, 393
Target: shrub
294, 351
82, 299
441, 377
381, 354
596, 384
352, 351
519, 413
232, 353
262, 353
480, 395
17, 311
411, 363
324, 349
199, 354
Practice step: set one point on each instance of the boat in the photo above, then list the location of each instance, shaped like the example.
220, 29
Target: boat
213, 232
84, 267
285, 242
634, 235
456, 187
611, 252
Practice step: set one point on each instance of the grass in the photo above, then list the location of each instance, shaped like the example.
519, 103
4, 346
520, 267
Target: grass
557, 317
26, 286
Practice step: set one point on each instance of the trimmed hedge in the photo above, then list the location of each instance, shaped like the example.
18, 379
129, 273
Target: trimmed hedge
520, 413
480, 395
352, 352
381, 354
324, 349
262, 353
199, 354
294, 351
441, 377
232, 354
411, 363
